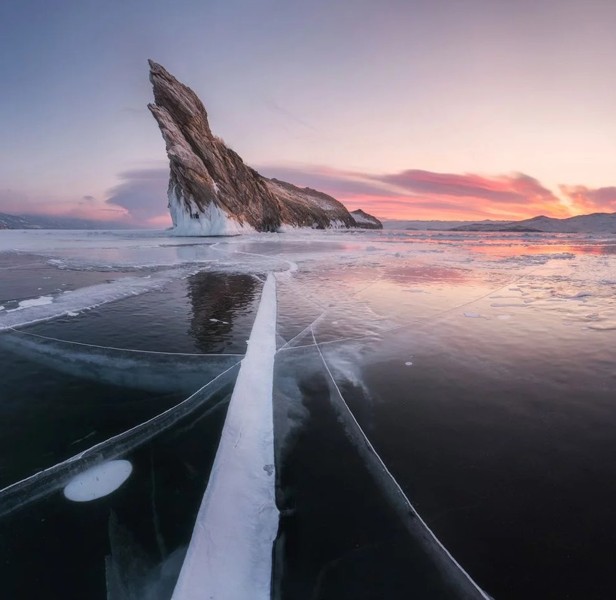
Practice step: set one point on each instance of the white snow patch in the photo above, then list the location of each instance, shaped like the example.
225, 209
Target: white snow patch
87, 297
40, 301
56, 262
230, 553
99, 481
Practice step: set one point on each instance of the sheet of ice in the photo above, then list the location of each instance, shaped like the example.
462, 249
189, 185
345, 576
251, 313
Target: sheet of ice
137, 369
99, 481
230, 553
38, 485
451, 570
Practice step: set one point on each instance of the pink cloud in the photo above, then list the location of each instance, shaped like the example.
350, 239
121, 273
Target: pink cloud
142, 193
516, 188
591, 200
420, 194
139, 200
85, 207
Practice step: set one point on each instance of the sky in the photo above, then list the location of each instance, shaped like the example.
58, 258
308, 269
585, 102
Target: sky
409, 109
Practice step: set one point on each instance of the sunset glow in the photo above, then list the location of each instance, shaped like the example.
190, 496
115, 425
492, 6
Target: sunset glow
485, 110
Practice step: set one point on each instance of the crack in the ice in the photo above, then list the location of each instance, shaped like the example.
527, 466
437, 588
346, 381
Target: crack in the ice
393, 480
84, 344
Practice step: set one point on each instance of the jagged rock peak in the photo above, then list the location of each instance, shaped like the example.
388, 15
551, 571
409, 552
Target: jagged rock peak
211, 190
177, 98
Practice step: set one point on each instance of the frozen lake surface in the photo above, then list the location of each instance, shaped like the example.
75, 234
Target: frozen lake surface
472, 374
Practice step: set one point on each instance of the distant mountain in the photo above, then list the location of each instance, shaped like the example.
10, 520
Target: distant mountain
43, 222
435, 225
507, 226
594, 223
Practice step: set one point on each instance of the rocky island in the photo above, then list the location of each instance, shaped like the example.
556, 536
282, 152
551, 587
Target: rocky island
212, 192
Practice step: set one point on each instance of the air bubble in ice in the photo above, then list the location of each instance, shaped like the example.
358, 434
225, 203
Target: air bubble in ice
99, 481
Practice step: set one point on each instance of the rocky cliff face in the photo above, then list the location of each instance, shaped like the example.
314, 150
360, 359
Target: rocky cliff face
366, 221
211, 190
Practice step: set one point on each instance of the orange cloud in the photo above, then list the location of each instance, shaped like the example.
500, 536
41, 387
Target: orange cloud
586, 200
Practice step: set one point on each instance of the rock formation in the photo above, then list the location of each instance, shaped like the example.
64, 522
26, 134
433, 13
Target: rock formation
211, 190
366, 221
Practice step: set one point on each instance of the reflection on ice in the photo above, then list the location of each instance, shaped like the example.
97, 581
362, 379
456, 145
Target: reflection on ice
98, 481
220, 304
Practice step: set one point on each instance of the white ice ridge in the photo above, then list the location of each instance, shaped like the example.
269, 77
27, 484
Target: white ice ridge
230, 553
88, 297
